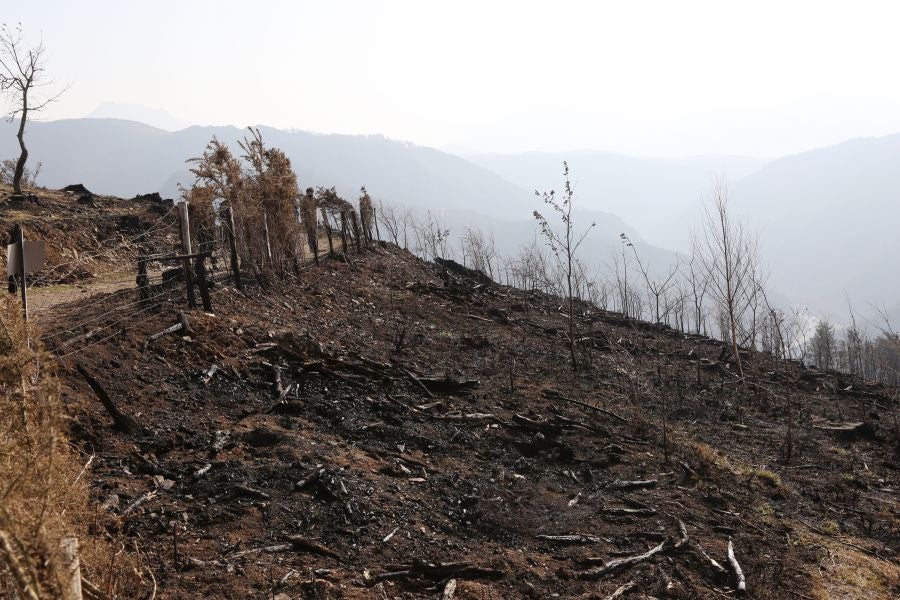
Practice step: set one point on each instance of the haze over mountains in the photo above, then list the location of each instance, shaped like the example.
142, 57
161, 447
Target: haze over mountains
124, 158
815, 211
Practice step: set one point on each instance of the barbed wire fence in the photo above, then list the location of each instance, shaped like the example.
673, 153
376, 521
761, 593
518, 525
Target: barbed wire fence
136, 281
143, 274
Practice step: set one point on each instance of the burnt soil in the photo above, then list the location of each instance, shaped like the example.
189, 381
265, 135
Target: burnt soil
348, 434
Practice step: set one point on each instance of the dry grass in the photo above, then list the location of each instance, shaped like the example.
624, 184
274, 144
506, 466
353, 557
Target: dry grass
769, 477
844, 573
43, 481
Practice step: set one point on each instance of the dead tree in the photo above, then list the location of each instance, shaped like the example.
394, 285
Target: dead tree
656, 288
22, 72
564, 246
727, 251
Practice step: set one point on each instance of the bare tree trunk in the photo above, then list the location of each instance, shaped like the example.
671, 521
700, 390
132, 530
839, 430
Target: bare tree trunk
730, 293
23, 156
571, 300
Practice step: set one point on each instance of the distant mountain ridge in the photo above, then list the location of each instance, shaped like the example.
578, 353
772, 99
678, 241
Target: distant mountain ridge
125, 158
153, 117
827, 218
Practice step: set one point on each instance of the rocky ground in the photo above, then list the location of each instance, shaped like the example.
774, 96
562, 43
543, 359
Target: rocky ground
387, 428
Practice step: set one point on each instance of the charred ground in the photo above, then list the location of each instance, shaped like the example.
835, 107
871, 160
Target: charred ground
351, 433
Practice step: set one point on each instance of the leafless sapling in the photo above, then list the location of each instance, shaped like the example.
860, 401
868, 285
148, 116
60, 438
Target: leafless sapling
727, 252
564, 245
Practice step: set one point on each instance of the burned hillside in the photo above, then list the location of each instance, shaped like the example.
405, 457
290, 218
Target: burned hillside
380, 427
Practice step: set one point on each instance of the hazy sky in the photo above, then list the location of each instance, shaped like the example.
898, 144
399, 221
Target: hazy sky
645, 78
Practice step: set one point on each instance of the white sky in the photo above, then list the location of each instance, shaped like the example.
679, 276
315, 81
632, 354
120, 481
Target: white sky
671, 78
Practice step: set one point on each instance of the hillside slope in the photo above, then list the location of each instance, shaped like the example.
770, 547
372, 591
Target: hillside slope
380, 427
126, 158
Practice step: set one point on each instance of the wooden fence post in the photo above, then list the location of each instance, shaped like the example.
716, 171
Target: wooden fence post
344, 232
268, 244
327, 232
375, 218
143, 281
184, 221
200, 265
70, 567
232, 242
356, 230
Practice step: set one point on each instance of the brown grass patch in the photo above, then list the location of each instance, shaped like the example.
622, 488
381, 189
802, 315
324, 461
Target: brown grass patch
43, 481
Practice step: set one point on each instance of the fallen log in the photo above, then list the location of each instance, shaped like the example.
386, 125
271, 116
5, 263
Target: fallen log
332, 373
848, 431
567, 422
421, 569
620, 485
740, 581
716, 567
471, 417
122, 422
629, 512
621, 563
448, 385
685, 538
417, 381
621, 590
574, 538
267, 549
544, 427
449, 590
249, 492
181, 325
138, 501
302, 544
294, 544
548, 393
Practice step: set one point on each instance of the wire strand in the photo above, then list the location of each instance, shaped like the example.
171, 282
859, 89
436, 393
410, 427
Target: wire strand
105, 327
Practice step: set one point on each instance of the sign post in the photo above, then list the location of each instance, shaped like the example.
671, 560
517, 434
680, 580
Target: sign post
23, 257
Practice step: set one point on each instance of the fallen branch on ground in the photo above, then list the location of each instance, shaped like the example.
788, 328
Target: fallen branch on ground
574, 538
182, 324
548, 393
436, 571
621, 563
740, 581
621, 590
121, 421
620, 485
